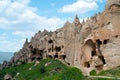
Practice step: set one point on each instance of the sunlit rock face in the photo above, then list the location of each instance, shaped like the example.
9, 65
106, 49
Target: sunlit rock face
92, 44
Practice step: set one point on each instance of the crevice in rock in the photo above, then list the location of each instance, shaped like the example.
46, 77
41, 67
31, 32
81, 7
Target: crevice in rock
102, 58
52, 48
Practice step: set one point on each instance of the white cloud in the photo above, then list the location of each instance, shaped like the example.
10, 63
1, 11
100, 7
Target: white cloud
80, 6
19, 18
81, 20
17, 15
24, 34
7, 44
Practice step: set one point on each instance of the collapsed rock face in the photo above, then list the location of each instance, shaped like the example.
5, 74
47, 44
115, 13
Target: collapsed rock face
93, 44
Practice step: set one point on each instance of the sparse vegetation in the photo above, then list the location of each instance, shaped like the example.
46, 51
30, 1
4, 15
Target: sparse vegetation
112, 72
93, 73
56, 70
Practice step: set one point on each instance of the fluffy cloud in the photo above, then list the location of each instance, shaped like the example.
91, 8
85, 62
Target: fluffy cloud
80, 6
21, 20
24, 34
7, 44
17, 15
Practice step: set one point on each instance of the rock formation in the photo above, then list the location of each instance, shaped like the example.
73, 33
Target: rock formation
93, 44
8, 77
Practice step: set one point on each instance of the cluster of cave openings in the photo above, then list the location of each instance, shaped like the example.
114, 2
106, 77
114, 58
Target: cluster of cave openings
56, 49
59, 48
102, 42
60, 56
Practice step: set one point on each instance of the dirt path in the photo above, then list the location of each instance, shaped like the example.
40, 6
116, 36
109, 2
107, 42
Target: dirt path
105, 77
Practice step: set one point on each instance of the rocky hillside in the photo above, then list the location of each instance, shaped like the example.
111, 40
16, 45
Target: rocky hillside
47, 69
92, 44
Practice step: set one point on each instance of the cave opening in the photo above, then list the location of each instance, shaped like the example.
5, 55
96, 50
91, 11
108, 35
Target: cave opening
33, 58
62, 46
34, 51
39, 58
105, 41
49, 50
49, 56
58, 49
50, 41
94, 53
87, 64
56, 55
62, 57
99, 42
68, 63
30, 47
41, 52
116, 36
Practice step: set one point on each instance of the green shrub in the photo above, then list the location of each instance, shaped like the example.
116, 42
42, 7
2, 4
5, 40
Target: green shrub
42, 69
93, 73
72, 74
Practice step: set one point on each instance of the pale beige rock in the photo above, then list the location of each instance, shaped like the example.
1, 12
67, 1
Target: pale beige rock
8, 77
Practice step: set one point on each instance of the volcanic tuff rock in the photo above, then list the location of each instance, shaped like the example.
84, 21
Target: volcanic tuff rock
93, 44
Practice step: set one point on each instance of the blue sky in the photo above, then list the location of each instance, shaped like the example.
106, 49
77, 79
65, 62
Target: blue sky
21, 19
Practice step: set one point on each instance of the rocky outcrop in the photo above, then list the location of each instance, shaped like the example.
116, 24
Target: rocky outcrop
8, 77
92, 44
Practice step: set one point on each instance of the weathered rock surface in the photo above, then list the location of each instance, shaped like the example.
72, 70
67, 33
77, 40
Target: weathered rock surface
8, 77
94, 44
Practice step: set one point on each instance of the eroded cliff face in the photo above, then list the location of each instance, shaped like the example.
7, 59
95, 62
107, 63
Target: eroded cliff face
93, 44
